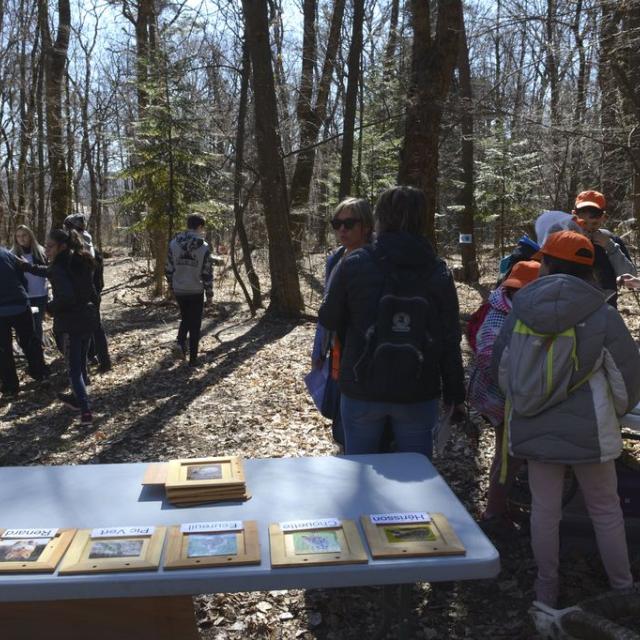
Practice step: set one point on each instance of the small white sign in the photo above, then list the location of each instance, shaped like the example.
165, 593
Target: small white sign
466, 238
204, 527
29, 533
122, 532
400, 518
321, 523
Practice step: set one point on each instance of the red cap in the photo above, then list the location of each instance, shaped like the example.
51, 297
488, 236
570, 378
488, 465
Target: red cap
570, 246
590, 199
522, 273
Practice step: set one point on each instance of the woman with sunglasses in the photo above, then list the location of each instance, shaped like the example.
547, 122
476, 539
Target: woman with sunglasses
353, 223
73, 308
396, 286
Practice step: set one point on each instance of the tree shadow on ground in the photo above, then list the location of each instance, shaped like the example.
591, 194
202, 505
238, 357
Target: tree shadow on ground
48, 432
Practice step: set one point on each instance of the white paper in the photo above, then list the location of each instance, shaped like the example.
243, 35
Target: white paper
204, 527
29, 533
320, 523
442, 431
35, 311
122, 532
466, 238
400, 518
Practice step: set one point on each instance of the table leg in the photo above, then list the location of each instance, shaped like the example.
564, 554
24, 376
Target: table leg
100, 619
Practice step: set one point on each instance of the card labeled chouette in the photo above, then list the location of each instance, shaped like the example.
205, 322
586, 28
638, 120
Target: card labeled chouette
212, 544
412, 534
33, 550
300, 543
110, 549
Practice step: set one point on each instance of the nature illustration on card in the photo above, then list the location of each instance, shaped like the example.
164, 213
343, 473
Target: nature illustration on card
204, 472
305, 542
116, 549
399, 534
27, 550
212, 544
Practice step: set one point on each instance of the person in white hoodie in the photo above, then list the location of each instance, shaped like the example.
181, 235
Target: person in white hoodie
189, 273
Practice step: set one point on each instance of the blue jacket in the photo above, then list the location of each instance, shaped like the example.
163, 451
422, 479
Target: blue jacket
13, 287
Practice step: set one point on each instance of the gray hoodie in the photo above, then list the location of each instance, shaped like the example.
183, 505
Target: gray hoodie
578, 419
189, 269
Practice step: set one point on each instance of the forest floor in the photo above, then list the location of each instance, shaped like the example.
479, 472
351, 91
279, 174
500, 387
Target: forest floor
248, 398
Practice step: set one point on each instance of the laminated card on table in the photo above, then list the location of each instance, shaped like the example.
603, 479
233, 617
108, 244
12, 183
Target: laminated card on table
317, 541
212, 544
413, 534
36, 550
112, 549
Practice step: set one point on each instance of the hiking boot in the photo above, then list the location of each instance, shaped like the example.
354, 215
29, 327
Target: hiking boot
104, 367
178, 350
69, 399
86, 419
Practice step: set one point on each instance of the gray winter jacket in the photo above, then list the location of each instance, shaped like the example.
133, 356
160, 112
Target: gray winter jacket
189, 269
580, 423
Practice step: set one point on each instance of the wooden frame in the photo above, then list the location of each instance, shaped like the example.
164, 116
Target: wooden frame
446, 542
248, 545
232, 473
77, 559
283, 551
48, 559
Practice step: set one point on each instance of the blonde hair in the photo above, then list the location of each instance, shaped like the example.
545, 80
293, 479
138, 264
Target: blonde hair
37, 250
361, 210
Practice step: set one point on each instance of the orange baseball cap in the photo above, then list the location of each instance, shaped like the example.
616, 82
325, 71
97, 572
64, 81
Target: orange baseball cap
522, 273
568, 245
591, 199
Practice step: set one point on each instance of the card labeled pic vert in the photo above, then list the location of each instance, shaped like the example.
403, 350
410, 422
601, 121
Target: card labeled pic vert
33, 550
111, 549
316, 541
212, 544
410, 534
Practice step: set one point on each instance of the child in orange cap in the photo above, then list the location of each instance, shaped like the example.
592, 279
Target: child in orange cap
569, 369
485, 395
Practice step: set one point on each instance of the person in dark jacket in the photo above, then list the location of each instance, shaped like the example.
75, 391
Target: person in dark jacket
612, 257
401, 254
73, 307
98, 348
15, 315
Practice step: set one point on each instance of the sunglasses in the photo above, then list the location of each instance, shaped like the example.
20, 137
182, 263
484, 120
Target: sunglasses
590, 213
349, 223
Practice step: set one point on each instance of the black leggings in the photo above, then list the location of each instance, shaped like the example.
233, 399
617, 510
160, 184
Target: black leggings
191, 307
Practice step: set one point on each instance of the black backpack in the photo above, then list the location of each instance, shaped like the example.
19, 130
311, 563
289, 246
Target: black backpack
400, 358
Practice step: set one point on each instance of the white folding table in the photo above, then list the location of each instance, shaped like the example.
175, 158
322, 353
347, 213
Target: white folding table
155, 603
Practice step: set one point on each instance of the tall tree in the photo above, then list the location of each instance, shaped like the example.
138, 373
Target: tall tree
286, 298
55, 60
433, 61
353, 81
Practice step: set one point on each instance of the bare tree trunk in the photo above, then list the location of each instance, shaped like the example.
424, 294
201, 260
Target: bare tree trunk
255, 299
353, 81
392, 42
471, 272
433, 61
55, 59
286, 298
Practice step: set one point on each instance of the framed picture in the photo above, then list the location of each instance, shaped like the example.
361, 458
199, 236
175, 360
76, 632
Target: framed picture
33, 550
410, 535
315, 542
215, 544
114, 549
205, 472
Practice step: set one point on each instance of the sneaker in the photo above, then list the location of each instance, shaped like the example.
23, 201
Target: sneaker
86, 418
178, 351
69, 399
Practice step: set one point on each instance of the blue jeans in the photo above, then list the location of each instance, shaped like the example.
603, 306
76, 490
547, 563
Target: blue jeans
364, 421
76, 348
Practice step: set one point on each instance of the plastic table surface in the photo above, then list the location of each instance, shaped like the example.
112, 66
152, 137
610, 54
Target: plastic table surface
282, 488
